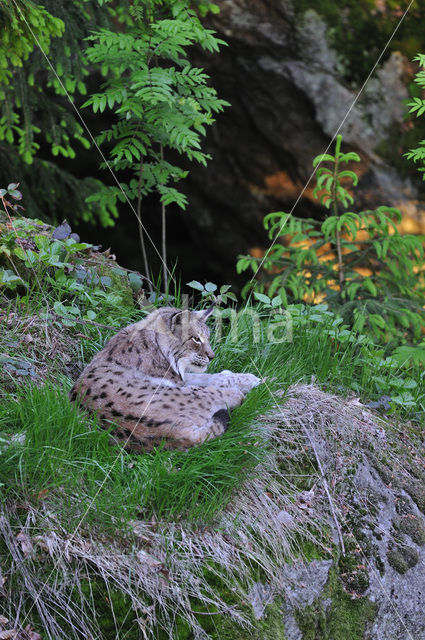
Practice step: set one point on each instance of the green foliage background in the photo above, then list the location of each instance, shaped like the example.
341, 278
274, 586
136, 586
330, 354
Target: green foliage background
41, 132
62, 285
37, 123
327, 261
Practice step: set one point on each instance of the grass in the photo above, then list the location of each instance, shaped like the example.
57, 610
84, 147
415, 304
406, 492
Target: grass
315, 350
52, 448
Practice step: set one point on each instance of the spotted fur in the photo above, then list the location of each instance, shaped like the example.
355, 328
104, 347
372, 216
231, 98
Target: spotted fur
149, 381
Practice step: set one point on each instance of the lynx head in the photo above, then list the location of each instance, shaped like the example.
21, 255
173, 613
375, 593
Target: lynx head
183, 337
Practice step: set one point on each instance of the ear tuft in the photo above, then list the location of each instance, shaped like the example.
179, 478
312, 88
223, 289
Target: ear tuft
205, 313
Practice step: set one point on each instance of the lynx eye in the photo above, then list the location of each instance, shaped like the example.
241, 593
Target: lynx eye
196, 340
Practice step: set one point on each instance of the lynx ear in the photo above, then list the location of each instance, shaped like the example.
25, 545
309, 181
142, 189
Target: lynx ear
204, 314
176, 319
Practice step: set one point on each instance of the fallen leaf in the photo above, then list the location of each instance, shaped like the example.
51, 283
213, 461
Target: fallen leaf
150, 561
26, 544
62, 231
41, 543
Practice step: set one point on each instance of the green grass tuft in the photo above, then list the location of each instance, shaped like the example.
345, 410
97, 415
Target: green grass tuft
51, 448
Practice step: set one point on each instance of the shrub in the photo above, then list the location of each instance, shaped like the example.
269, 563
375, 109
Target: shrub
358, 263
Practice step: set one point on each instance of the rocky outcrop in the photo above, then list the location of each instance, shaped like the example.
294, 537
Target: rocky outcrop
370, 483
325, 541
289, 99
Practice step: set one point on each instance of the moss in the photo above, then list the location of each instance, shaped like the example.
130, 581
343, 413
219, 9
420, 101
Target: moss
111, 610
402, 505
374, 497
348, 617
312, 622
270, 627
384, 471
307, 550
402, 558
352, 571
416, 491
380, 565
344, 617
221, 627
410, 525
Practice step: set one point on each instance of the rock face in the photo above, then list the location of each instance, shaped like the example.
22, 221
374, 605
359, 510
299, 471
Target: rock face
397, 580
372, 487
289, 100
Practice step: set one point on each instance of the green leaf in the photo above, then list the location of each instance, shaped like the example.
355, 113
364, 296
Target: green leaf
283, 296
369, 286
349, 174
261, 297
378, 248
325, 157
106, 281
118, 271
351, 156
404, 400
352, 289
329, 226
377, 320
405, 354
135, 280
195, 285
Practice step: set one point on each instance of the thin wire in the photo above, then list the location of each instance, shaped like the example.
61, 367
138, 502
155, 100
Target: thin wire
93, 139
333, 138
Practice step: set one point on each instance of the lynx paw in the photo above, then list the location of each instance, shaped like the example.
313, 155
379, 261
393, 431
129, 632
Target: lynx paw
246, 381
243, 381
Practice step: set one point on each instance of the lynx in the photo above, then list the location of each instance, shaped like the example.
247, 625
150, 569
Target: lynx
149, 381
